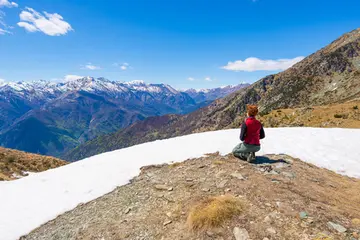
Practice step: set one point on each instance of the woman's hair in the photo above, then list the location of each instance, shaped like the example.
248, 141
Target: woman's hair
252, 110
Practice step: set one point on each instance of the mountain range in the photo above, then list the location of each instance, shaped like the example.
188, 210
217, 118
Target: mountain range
329, 76
52, 117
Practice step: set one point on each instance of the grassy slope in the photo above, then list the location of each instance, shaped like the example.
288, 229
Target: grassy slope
345, 115
14, 163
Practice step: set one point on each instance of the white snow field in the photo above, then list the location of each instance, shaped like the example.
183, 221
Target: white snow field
27, 203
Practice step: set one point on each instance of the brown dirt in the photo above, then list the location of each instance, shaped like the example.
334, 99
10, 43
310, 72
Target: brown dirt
345, 115
14, 163
156, 204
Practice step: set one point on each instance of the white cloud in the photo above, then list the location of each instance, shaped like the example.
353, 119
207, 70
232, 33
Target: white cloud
3, 32
28, 26
255, 64
72, 77
91, 67
3, 26
191, 79
7, 3
51, 24
208, 79
123, 66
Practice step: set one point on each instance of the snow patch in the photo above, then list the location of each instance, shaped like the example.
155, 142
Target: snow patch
48, 194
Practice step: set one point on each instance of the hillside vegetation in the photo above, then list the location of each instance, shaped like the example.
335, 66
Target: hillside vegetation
16, 164
344, 115
329, 76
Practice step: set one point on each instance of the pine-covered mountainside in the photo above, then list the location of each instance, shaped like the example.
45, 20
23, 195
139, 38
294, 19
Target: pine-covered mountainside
329, 76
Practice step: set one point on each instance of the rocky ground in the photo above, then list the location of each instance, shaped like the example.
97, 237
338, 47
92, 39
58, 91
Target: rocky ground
285, 198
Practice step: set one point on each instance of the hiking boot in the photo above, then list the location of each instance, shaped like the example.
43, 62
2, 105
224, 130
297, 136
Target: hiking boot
251, 157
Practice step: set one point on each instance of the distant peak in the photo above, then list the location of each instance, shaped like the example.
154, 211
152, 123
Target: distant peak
135, 82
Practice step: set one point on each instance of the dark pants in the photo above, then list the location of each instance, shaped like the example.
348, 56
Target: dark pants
242, 150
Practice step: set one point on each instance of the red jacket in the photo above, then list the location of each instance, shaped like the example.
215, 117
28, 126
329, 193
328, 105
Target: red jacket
252, 131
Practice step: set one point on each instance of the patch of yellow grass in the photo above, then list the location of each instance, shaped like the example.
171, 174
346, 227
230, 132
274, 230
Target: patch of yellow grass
356, 222
322, 236
214, 211
175, 164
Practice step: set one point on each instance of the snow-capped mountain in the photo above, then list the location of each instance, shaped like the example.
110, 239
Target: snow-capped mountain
201, 95
51, 117
47, 88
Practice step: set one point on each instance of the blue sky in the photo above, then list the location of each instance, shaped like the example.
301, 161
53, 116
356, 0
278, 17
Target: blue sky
185, 43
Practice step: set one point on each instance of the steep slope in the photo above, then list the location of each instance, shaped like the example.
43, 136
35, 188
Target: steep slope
15, 164
331, 75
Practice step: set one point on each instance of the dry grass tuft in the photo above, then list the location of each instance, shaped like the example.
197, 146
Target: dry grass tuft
218, 162
322, 237
214, 211
175, 164
356, 222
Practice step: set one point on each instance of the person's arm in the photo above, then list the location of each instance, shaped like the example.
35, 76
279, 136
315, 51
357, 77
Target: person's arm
243, 131
262, 132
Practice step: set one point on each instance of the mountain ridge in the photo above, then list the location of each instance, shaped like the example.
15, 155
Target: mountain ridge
330, 75
52, 117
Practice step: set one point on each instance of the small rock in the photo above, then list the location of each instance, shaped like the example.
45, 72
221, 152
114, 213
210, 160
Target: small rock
289, 174
221, 184
205, 189
266, 238
267, 219
237, 175
169, 214
167, 223
278, 204
228, 190
241, 234
271, 230
202, 166
220, 173
275, 181
127, 210
268, 204
309, 220
281, 165
272, 172
289, 160
189, 180
336, 227
210, 234
303, 215
163, 187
